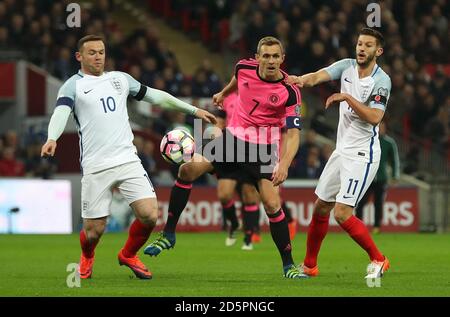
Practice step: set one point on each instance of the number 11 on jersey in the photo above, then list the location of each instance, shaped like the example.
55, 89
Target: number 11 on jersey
351, 181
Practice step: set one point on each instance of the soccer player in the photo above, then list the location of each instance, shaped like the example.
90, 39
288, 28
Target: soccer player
247, 191
240, 182
389, 156
265, 100
108, 158
365, 90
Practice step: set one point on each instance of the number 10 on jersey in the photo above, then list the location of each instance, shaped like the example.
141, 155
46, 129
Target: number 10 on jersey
110, 104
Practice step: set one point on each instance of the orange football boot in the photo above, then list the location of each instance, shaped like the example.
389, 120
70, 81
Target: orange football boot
139, 269
309, 271
256, 237
85, 267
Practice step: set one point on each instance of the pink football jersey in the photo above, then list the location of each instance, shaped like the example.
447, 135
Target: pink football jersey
263, 107
229, 104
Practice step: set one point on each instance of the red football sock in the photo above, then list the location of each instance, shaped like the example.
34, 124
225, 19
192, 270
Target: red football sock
317, 231
358, 231
87, 247
137, 236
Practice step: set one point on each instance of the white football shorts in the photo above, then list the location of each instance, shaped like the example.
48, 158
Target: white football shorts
96, 189
345, 180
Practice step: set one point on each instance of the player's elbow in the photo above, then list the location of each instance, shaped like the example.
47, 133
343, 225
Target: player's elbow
374, 121
375, 117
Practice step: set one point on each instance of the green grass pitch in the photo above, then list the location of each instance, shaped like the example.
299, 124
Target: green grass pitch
201, 265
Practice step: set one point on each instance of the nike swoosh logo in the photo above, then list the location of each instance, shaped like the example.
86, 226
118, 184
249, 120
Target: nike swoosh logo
86, 92
346, 197
346, 79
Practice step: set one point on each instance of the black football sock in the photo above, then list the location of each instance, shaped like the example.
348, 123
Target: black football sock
248, 225
255, 220
287, 212
179, 197
229, 211
280, 235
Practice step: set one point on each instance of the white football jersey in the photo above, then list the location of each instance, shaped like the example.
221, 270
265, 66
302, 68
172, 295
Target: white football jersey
99, 105
356, 138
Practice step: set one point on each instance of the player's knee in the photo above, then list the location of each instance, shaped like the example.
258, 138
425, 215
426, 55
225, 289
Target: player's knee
149, 216
93, 234
250, 198
186, 173
225, 197
341, 214
149, 220
271, 207
323, 208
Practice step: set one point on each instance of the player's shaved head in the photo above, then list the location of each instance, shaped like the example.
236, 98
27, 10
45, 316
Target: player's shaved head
91, 54
269, 41
88, 38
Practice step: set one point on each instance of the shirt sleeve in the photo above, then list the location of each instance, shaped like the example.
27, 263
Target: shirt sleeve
58, 122
293, 108
136, 89
245, 64
167, 101
380, 93
335, 70
66, 94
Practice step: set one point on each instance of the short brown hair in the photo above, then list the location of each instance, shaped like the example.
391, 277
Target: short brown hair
89, 38
376, 34
269, 40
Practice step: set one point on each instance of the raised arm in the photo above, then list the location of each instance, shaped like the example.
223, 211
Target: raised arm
311, 79
332, 72
165, 100
228, 89
374, 112
370, 115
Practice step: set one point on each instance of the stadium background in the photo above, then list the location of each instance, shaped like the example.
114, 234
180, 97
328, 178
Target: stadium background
189, 48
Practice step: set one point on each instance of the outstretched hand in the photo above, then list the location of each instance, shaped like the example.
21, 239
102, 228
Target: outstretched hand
205, 115
218, 99
295, 80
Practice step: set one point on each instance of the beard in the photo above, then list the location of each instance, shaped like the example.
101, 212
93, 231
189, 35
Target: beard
368, 60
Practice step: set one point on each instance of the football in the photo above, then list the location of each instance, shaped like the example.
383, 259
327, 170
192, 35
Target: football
177, 146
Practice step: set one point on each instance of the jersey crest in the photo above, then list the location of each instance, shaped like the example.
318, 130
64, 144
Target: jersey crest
117, 85
274, 98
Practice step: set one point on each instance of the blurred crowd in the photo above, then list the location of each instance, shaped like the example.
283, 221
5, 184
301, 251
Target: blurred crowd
18, 159
142, 53
315, 34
